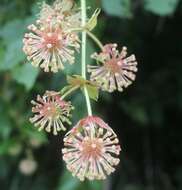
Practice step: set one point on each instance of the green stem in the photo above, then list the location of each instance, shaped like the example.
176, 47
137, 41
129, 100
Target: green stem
90, 34
70, 91
95, 39
80, 29
83, 55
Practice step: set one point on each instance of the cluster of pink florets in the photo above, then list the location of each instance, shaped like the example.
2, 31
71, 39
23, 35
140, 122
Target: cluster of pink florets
50, 44
114, 71
91, 147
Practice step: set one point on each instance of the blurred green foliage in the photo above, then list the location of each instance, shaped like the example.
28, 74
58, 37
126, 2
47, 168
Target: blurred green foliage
145, 116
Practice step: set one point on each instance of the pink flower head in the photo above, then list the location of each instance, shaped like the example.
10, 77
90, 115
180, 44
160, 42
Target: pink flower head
63, 12
91, 148
116, 70
51, 112
48, 46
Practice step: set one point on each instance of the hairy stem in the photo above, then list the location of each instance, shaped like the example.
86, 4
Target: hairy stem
83, 54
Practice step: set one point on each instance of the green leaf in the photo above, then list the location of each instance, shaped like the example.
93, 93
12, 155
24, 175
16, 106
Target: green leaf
15, 29
6, 145
78, 101
13, 55
119, 8
68, 182
12, 35
76, 67
26, 75
161, 7
12, 30
5, 124
96, 185
4, 165
2, 54
29, 132
93, 91
92, 23
76, 80
136, 111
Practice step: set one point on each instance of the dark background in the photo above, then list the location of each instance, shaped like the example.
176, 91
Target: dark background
146, 116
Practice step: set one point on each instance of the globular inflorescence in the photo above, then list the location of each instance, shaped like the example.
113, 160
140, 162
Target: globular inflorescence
91, 148
51, 112
50, 43
114, 71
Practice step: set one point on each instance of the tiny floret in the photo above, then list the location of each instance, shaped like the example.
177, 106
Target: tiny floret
51, 112
91, 149
115, 71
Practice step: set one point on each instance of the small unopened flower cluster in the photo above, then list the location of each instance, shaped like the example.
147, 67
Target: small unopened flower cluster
27, 166
91, 148
115, 71
51, 43
63, 12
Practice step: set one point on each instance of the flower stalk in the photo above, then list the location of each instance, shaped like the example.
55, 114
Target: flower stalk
90, 34
69, 92
83, 54
95, 39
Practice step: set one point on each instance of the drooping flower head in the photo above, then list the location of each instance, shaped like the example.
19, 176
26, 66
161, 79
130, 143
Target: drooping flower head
91, 149
116, 70
51, 42
51, 112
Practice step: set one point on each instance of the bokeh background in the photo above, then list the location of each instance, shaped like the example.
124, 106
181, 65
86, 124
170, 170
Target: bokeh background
146, 116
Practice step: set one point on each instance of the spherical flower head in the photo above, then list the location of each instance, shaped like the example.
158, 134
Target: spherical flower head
51, 112
48, 46
115, 71
91, 149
